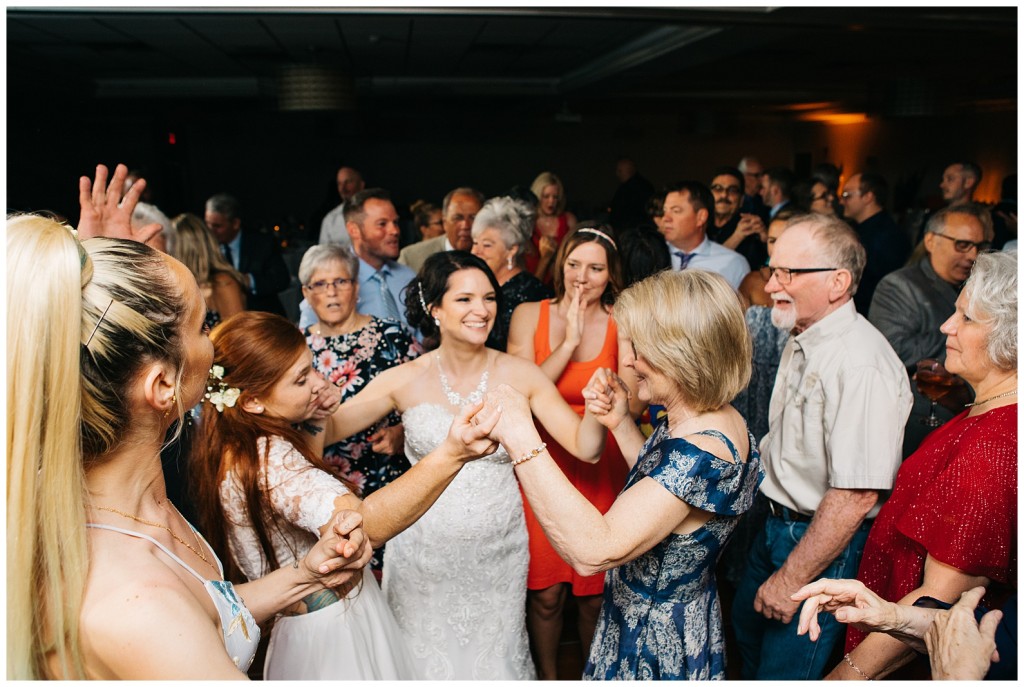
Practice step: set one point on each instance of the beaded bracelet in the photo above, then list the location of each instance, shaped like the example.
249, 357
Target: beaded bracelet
532, 454
853, 665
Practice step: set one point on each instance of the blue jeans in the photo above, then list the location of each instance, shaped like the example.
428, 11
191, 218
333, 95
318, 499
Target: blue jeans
770, 649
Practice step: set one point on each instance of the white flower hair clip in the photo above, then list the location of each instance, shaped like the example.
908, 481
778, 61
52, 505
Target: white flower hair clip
225, 396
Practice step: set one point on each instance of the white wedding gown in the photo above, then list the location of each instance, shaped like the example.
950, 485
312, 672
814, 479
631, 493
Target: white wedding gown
456, 578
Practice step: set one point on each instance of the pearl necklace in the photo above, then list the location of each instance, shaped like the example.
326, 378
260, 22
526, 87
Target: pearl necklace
456, 399
1011, 392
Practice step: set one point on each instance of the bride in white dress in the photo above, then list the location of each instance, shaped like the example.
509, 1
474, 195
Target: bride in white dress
456, 579
262, 434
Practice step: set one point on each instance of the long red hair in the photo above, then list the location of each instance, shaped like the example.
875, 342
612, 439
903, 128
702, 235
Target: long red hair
255, 349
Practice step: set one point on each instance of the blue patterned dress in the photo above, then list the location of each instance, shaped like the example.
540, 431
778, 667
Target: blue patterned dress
661, 618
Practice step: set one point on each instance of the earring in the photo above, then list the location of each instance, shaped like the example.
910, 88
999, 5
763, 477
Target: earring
510, 263
437, 322
174, 401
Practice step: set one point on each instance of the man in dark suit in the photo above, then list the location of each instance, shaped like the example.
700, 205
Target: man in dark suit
255, 255
888, 247
628, 206
777, 190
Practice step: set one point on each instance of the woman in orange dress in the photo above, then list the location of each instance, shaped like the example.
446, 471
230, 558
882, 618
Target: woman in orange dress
570, 337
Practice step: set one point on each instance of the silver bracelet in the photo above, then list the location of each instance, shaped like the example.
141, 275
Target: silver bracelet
853, 665
532, 454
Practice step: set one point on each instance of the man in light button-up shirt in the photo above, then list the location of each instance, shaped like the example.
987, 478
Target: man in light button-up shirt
836, 419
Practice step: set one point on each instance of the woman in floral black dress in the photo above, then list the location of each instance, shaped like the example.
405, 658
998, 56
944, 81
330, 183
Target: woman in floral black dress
349, 349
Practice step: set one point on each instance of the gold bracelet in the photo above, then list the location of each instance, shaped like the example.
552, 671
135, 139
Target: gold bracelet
532, 454
853, 665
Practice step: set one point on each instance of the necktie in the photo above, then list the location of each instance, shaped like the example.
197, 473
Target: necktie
385, 295
226, 250
685, 258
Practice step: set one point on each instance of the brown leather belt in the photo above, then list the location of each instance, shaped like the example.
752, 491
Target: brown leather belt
780, 511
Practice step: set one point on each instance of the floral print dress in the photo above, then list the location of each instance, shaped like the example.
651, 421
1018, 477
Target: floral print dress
661, 618
350, 361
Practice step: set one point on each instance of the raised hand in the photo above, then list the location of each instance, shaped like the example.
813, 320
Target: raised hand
469, 436
103, 213
327, 402
607, 398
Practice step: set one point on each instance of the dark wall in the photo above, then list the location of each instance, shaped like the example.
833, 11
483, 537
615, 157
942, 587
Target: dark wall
281, 165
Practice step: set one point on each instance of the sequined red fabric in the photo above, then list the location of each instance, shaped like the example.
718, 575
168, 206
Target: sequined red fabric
955, 499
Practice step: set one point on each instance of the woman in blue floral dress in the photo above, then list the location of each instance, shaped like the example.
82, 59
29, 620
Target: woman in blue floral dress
689, 483
349, 349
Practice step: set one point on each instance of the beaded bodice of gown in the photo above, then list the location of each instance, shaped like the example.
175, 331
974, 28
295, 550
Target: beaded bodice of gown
456, 578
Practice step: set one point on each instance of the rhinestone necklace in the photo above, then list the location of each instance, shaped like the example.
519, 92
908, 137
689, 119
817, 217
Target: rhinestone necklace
197, 552
990, 398
456, 399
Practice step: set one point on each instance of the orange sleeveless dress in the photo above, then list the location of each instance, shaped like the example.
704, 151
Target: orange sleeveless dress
600, 483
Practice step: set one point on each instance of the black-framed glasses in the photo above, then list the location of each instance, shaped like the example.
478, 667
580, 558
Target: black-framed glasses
732, 190
339, 284
784, 275
827, 195
964, 246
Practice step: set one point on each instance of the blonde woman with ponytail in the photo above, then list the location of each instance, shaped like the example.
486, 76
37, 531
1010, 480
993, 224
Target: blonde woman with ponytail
106, 348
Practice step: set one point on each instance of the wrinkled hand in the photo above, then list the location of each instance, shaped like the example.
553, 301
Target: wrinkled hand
102, 211
388, 440
849, 601
607, 398
960, 648
773, 599
469, 436
516, 416
328, 401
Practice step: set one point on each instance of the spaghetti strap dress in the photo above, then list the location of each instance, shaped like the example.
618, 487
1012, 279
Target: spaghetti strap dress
599, 482
239, 628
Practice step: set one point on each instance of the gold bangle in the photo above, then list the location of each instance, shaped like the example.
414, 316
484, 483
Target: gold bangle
532, 454
853, 665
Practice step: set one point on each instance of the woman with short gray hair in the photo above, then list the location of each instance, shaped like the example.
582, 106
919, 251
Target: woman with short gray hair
948, 525
501, 238
349, 349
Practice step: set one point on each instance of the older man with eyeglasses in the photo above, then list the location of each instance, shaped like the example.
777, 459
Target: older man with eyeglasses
836, 418
911, 303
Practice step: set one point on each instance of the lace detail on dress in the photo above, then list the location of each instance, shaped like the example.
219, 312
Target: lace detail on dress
301, 495
456, 579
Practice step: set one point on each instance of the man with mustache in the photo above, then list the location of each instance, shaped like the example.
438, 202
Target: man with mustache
741, 231
836, 418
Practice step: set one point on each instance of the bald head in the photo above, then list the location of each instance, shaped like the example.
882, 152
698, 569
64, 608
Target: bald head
350, 182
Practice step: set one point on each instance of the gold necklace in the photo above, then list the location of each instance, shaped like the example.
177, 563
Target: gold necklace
181, 541
990, 398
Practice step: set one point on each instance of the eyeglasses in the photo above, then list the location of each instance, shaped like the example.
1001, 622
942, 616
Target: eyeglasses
731, 190
339, 284
847, 194
964, 246
784, 275
824, 196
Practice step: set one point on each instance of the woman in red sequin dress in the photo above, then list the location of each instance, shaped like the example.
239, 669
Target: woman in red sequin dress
554, 223
951, 522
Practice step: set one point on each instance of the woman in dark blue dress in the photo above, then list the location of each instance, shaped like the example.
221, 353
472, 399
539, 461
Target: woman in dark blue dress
689, 483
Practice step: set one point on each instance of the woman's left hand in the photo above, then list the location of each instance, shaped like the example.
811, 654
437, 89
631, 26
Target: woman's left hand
516, 417
102, 211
